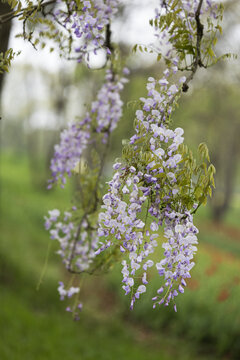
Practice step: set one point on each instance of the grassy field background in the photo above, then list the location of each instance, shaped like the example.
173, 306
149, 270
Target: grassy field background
35, 326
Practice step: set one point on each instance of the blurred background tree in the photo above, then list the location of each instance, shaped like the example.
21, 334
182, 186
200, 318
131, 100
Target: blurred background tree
4, 36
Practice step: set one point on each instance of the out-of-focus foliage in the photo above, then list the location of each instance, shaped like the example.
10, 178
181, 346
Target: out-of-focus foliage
212, 114
182, 38
6, 59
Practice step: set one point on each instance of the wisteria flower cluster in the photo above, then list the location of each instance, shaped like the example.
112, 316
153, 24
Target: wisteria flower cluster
78, 244
64, 230
156, 183
87, 23
102, 118
73, 142
143, 195
178, 251
77, 238
149, 189
108, 106
179, 32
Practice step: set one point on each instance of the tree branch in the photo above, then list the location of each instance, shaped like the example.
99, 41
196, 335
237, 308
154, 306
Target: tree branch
12, 14
197, 62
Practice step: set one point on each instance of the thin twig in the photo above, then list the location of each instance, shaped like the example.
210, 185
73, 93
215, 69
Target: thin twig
12, 14
197, 62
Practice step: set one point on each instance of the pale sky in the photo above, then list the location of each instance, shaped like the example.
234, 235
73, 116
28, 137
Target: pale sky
31, 86
134, 30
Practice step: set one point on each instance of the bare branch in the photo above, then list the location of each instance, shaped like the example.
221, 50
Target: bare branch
197, 62
12, 14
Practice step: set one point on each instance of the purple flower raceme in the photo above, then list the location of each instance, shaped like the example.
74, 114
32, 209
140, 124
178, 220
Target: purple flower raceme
121, 223
102, 118
89, 25
143, 195
78, 241
108, 105
87, 22
73, 142
178, 251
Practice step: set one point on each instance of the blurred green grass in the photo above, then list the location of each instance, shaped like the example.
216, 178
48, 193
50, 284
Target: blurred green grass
35, 326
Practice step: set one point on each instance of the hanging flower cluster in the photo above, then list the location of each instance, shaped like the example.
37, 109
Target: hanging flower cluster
87, 23
64, 230
157, 182
144, 194
178, 254
150, 187
78, 239
78, 243
102, 118
73, 142
108, 106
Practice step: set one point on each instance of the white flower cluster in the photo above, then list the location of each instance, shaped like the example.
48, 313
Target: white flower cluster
143, 197
69, 293
77, 249
121, 220
77, 243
